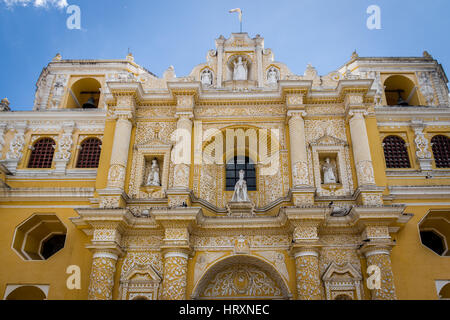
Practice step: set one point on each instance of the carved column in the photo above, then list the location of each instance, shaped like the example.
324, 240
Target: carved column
259, 61
309, 286
102, 275
380, 256
2, 138
181, 155
176, 248
219, 44
299, 156
305, 249
121, 145
175, 273
361, 148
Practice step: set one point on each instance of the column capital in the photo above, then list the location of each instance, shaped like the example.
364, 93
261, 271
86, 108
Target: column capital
296, 114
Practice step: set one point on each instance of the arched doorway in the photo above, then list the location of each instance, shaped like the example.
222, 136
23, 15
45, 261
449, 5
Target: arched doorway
241, 277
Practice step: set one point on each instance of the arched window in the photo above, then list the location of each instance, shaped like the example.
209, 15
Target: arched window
42, 154
441, 151
396, 153
89, 155
237, 164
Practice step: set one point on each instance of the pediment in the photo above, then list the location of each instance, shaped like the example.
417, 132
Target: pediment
346, 272
142, 273
328, 140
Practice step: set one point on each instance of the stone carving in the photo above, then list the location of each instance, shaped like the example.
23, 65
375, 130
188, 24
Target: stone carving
4, 105
387, 291
153, 177
273, 75
58, 90
422, 145
365, 173
116, 176
174, 283
309, 286
207, 78
102, 278
240, 190
16, 145
426, 87
240, 69
242, 280
329, 172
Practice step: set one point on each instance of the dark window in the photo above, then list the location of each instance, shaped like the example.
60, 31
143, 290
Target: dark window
52, 245
395, 153
89, 155
42, 154
232, 173
441, 151
433, 241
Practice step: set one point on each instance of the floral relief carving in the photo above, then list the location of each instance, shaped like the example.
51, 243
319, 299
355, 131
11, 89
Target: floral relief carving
422, 145
387, 291
102, 278
309, 286
174, 283
116, 176
242, 281
365, 173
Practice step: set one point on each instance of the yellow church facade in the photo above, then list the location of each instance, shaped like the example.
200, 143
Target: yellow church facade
241, 180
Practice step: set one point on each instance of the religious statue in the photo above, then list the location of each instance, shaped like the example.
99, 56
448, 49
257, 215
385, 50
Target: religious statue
240, 190
153, 176
272, 75
329, 175
206, 77
240, 70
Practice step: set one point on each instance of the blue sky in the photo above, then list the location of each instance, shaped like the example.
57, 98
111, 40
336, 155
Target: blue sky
179, 33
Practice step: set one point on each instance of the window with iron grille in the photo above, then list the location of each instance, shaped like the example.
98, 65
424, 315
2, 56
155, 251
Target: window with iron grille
396, 153
232, 173
441, 151
89, 155
42, 154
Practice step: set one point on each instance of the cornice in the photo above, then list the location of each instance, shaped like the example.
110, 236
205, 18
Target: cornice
386, 113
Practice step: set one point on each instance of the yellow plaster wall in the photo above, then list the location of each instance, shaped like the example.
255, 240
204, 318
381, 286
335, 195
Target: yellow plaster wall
15, 270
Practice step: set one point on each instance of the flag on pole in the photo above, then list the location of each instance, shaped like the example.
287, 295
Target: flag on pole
239, 11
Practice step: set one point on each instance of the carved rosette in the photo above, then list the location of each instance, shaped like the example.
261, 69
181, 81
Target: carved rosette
300, 173
102, 276
382, 259
365, 173
175, 273
116, 176
309, 286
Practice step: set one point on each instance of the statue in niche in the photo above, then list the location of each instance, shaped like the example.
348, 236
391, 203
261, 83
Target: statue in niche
272, 75
329, 172
206, 77
240, 69
240, 190
153, 177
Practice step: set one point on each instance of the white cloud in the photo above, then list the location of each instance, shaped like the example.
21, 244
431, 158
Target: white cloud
37, 3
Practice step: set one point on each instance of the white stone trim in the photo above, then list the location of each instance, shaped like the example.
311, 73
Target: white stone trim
105, 255
176, 254
381, 251
306, 253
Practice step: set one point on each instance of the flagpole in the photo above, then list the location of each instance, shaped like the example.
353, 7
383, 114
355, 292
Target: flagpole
241, 21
